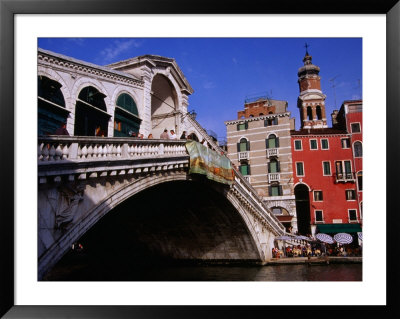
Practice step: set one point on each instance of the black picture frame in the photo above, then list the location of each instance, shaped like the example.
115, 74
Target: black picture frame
8, 10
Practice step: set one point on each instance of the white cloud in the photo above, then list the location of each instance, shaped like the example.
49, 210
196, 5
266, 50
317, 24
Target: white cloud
77, 41
209, 85
108, 54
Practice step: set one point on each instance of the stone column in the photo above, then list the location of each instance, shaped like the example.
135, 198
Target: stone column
314, 112
146, 125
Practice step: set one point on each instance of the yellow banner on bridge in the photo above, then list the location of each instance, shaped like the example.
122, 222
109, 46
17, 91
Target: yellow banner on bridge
208, 162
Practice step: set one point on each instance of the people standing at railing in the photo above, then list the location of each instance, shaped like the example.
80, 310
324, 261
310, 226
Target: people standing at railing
183, 136
150, 136
164, 135
99, 131
62, 130
172, 135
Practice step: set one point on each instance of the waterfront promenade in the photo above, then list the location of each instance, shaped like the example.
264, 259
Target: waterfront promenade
314, 260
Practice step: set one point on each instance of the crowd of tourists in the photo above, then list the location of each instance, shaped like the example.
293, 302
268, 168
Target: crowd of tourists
317, 250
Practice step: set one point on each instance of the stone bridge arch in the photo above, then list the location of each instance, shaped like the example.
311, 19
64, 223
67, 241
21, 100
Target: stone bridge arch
114, 192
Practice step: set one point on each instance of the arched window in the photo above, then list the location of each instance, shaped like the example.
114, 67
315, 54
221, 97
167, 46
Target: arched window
357, 149
91, 117
126, 119
261, 114
319, 112
275, 190
51, 106
273, 166
243, 145
309, 113
272, 141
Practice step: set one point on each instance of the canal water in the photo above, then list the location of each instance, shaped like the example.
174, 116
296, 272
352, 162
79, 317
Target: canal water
82, 269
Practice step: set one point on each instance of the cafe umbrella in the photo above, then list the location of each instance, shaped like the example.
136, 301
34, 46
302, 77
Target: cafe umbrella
343, 238
325, 238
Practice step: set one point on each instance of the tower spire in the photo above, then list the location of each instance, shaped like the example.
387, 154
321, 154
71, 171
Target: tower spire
306, 45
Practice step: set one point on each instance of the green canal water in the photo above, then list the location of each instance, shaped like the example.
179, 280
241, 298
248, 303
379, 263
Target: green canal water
84, 269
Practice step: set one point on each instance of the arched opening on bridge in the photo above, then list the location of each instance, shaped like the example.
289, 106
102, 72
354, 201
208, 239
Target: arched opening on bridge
91, 117
51, 106
174, 223
126, 117
302, 209
164, 103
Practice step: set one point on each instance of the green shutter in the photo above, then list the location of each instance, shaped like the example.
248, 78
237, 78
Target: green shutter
248, 145
266, 143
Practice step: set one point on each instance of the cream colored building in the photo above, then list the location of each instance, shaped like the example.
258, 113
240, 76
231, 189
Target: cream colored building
259, 146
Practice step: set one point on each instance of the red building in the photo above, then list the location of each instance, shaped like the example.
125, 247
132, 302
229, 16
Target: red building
327, 162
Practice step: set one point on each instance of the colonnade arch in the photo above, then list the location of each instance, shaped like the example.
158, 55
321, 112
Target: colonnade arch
164, 105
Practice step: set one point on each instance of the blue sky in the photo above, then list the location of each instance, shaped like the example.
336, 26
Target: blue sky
224, 71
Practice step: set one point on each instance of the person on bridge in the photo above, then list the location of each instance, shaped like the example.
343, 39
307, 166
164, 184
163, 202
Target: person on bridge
164, 135
172, 135
62, 130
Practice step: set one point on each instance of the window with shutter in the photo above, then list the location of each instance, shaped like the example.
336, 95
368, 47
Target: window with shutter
297, 145
299, 169
318, 196
353, 215
326, 168
324, 144
313, 145
359, 180
273, 166
357, 149
243, 145
318, 216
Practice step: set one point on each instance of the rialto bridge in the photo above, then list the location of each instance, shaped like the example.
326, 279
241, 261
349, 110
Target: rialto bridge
137, 194
180, 216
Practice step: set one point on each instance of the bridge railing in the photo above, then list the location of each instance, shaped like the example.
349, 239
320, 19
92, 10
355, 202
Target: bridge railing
85, 148
257, 202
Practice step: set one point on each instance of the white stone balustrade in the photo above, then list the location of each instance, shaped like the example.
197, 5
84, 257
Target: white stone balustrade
272, 152
273, 177
80, 149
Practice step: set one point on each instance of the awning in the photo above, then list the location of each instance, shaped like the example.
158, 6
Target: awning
339, 228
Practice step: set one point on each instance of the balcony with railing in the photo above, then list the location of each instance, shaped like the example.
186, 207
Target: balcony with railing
346, 177
272, 152
243, 155
273, 177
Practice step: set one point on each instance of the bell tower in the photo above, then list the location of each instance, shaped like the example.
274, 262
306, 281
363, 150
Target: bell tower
311, 101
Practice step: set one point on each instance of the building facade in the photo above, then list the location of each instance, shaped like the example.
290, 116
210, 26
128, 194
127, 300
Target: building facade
258, 143
327, 162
